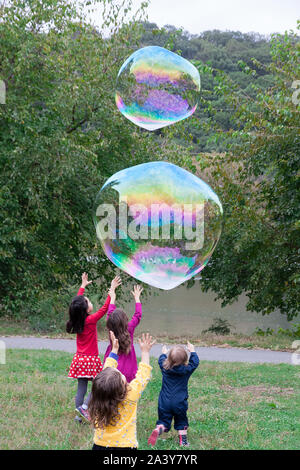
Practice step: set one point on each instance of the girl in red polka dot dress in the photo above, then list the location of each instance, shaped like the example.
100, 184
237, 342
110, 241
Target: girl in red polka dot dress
86, 363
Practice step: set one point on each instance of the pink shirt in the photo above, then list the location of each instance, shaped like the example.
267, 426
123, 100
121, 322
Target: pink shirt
127, 364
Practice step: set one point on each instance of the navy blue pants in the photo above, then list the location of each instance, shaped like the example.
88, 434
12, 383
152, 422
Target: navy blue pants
165, 417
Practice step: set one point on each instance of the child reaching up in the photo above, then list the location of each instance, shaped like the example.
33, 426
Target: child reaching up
86, 363
113, 402
118, 323
176, 370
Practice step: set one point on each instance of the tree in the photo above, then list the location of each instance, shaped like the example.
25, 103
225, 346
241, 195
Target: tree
258, 181
61, 138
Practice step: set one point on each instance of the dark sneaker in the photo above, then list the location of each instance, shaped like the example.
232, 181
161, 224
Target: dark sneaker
83, 413
154, 435
183, 442
78, 420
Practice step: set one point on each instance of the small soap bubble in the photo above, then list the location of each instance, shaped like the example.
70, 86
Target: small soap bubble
156, 88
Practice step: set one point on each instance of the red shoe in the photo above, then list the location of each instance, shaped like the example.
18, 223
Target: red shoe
84, 413
154, 435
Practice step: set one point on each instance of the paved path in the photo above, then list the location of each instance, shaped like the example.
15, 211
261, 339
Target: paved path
205, 353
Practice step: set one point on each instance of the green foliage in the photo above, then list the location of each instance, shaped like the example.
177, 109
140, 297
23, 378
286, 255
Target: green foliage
293, 332
245, 142
261, 332
220, 50
61, 137
257, 180
219, 326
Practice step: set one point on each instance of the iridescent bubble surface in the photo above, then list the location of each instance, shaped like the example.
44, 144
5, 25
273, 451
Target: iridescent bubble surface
158, 222
156, 88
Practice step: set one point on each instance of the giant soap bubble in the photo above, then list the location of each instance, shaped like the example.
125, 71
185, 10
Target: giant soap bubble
156, 88
158, 223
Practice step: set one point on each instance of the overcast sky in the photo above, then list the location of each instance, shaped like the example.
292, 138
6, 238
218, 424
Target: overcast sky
195, 16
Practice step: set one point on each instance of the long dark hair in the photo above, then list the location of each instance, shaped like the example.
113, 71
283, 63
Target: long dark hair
77, 314
108, 391
118, 323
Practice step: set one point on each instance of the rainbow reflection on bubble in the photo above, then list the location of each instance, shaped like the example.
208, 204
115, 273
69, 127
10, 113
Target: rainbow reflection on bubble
156, 88
158, 223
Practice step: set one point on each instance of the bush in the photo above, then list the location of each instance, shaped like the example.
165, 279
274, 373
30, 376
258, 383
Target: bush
219, 327
50, 313
267, 332
295, 332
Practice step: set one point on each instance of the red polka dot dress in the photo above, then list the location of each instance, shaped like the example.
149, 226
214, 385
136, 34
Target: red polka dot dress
86, 362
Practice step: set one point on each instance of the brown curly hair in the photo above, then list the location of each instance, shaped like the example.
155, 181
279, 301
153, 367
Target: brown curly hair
108, 391
176, 357
117, 322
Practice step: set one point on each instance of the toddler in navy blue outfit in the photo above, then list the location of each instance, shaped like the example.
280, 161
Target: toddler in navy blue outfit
176, 370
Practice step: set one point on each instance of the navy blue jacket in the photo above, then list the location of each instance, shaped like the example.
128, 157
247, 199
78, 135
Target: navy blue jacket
174, 391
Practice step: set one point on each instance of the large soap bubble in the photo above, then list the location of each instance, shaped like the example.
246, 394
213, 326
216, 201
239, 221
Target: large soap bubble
156, 88
158, 223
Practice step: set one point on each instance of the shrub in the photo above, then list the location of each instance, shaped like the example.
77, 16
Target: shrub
219, 327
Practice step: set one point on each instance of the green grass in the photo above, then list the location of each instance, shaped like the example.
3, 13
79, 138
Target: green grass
276, 342
231, 405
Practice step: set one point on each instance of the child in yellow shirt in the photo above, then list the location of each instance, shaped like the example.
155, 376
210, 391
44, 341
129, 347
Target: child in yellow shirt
113, 402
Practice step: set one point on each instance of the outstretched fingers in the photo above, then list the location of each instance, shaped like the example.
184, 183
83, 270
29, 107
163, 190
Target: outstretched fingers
146, 342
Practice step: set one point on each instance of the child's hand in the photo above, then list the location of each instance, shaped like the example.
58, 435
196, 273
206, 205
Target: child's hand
137, 290
190, 347
146, 342
116, 282
165, 349
84, 280
114, 342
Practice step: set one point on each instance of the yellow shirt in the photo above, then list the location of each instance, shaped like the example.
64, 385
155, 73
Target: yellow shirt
123, 434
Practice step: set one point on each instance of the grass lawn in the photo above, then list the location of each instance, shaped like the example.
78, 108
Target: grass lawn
276, 342
231, 405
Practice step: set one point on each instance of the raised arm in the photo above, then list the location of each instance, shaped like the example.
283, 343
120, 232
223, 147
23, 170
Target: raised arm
112, 292
81, 291
135, 320
161, 360
143, 374
94, 317
112, 359
193, 362
194, 359
111, 308
104, 309
137, 290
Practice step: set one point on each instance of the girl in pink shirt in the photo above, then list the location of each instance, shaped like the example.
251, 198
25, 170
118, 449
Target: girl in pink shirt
86, 363
117, 321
